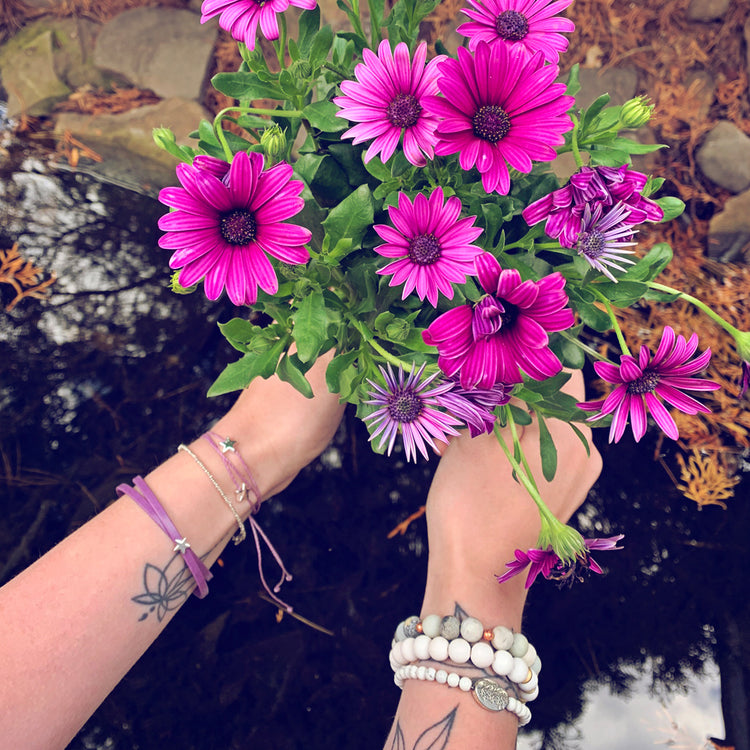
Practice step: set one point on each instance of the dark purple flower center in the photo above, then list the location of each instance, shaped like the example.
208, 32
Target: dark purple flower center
645, 384
592, 244
403, 111
405, 406
238, 226
566, 573
424, 249
491, 123
511, 25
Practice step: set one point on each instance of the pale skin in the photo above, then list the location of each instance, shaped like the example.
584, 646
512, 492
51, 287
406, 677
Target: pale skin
87, 632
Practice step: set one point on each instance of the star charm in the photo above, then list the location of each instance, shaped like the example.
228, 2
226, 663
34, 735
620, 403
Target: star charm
181, 545
227, 444
241, 492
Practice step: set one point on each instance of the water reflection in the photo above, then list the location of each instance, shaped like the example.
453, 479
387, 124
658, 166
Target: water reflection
104, 380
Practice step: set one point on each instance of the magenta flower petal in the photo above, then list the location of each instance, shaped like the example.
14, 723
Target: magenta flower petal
495, 95
227, 242
242, 17
643, 383
430, 255
387, 100
495, 339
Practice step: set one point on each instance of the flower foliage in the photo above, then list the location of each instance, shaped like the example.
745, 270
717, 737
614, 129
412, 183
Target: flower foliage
400, 212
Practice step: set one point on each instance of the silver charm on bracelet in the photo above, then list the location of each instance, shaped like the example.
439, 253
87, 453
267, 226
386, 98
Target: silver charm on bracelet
490, 695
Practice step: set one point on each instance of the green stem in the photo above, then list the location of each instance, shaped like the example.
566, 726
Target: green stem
280, 43
335, 69
517, 445
699, 304
370, 339
574, 143
584, 347
613, 319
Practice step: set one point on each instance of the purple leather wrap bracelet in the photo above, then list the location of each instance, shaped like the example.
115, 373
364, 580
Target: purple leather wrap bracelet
142, 495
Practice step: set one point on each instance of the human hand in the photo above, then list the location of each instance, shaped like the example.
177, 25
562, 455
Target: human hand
285, 430
477, 515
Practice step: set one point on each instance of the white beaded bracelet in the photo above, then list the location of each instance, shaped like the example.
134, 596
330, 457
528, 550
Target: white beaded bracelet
486, 691
446, 639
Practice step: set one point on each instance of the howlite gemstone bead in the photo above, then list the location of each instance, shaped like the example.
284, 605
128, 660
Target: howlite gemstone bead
471, 630
431, 625
459, 651
439, 648
519, 646
482, 655
503, 637
422, 647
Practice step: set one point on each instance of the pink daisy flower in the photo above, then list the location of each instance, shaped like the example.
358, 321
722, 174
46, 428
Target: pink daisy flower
505, 332
407, 406
605, 238
241, 18
387, 99
528, 25
475, 406
547, 562
228, 220
432, 245
563, 209
499, 109
642, 383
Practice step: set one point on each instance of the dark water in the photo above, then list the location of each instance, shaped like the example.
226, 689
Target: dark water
104, 379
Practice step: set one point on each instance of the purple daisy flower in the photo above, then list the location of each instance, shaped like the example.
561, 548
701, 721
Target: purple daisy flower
475, 406
529, 25
499, 109
407, 406
603, 237
228, 219
241, 18
387, 99
642, 383
505, 332
547, 562
563, 209
432, 245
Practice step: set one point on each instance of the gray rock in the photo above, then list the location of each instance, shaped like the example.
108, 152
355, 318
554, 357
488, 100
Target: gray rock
126, 144
74, 49
163, 49
724, 157
746, 32
27, 69
707, 10
619, 83
729, 231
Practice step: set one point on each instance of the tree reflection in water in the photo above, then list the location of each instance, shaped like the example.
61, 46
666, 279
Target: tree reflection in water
102, 383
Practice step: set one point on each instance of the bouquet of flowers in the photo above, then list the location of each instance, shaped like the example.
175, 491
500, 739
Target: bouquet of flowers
402, 213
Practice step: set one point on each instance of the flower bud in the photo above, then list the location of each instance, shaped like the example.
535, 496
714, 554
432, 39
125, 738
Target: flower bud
273, 142
397, 330
301, 70
636, 112
302, 288
177, 288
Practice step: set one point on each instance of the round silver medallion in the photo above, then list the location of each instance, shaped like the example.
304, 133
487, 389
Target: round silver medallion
490, 695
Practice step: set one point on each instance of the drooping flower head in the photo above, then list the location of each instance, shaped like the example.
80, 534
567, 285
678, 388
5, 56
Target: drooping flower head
241, 18
529, 25
228, 220
604, 238
475, 406
407, 405
547, 562
745, 378
563, 209
387, 100
498, 109
640, 386
505, 332
432, 246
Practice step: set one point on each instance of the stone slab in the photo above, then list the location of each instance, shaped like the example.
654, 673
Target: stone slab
125, 140
707, 10
724, 157
619, 83
166, 50
729, 230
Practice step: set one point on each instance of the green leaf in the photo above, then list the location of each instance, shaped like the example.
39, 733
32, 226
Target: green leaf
378, 170
239, 332
238, 375
322, 115
289, 371
352, 217
321, 46
325, 178
309, 24
629, 146
574, 85
550, 386
651, 264
652, 185
520, 416
593, 317
609, 157
590, 115
622, 293
336, 367
672, 207
245, 86
310, 326
547, 450
581, 437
